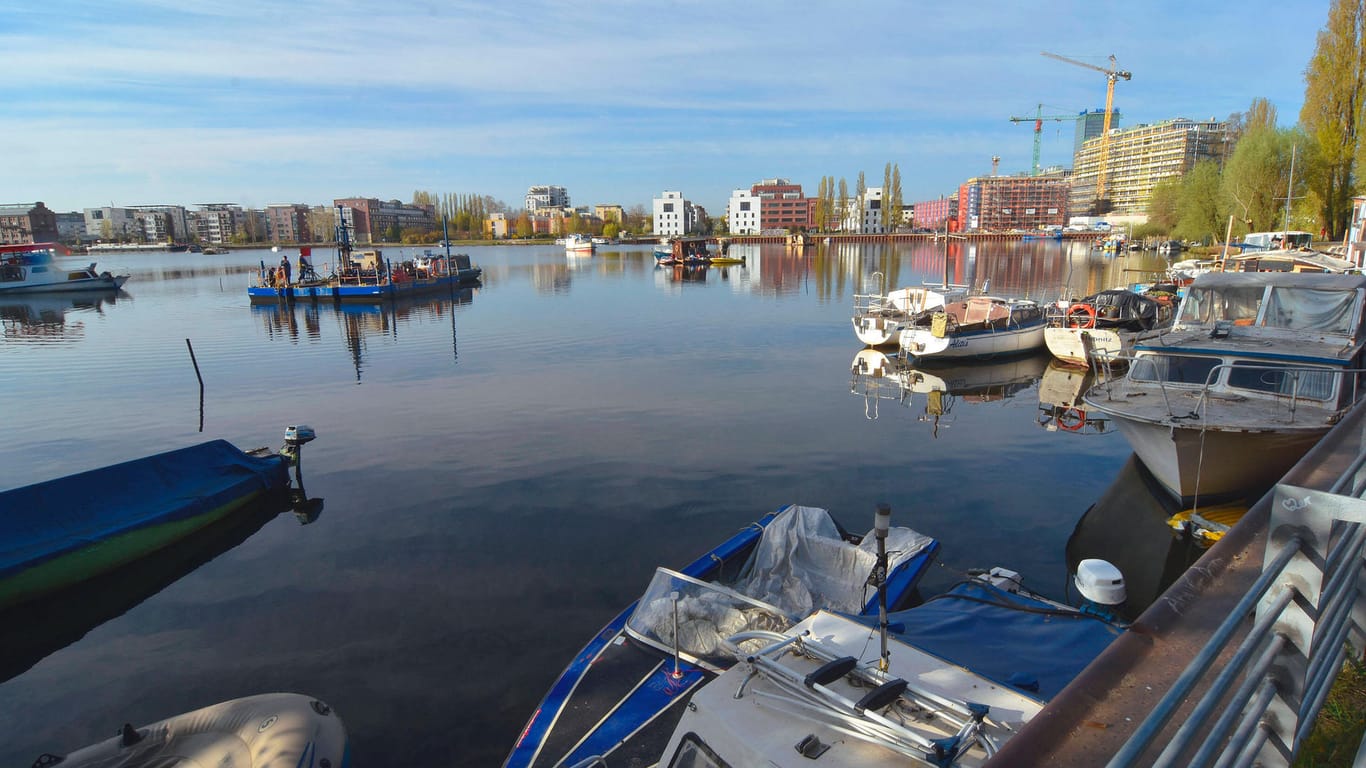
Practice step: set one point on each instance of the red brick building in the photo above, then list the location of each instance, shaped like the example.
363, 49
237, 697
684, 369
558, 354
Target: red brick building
27, 223
782, 206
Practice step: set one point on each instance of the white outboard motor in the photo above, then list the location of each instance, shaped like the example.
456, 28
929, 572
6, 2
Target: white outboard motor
1101, 585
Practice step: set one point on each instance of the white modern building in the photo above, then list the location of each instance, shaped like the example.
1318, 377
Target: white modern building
742, 212
673, 216
111, 223
864, 215
541, 197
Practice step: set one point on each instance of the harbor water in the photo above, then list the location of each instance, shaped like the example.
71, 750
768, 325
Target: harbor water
502, 468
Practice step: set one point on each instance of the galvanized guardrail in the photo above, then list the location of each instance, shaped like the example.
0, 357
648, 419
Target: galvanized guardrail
1232, 664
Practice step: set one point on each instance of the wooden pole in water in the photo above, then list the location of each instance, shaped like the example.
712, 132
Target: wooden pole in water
199, 376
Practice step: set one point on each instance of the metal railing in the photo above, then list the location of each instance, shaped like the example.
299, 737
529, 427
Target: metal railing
1232, 664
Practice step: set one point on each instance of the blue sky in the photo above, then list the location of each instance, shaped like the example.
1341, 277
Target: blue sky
254, 102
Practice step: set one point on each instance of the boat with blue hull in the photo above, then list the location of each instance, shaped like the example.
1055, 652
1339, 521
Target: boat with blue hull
623, 693
65, 531
366, 277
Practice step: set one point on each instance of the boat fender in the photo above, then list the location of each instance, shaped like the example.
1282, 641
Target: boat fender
1072, 419
1081, 316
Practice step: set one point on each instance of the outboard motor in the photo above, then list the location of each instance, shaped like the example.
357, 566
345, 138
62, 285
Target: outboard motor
1101, 586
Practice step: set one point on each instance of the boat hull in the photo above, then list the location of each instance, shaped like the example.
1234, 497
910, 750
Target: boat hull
879, 331
1069, 344
106, 284
335, 291
1215, 463
921, 342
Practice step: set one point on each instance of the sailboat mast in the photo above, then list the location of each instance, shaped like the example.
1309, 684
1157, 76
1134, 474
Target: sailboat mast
1289, 190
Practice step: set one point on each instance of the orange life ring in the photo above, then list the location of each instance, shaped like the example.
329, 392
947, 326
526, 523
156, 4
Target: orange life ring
1081, 316
1072, 419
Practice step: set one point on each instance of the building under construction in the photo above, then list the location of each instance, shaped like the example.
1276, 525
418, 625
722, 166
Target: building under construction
1002, 203
1139, 158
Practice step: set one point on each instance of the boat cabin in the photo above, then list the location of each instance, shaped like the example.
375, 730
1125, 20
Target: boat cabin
689, 247
1281, 335
1271, 241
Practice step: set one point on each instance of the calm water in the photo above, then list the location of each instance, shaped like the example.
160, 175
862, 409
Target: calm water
503, 470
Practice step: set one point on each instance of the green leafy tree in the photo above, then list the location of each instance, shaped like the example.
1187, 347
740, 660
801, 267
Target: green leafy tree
1164, 204
1335, 82
524, 226
891, 198
1256, 176
842, 206
1200, 214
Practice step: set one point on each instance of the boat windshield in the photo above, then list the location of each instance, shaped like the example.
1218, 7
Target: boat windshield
1205, 305
1277, 379
1174, 369
700, 615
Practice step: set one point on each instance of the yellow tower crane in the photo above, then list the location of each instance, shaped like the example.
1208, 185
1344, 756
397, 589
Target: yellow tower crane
1111, 75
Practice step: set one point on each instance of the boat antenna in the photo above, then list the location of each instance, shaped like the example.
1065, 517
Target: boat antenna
882, 523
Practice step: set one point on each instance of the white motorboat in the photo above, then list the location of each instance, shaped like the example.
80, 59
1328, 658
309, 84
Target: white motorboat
1102, 326
273, 730
879, 318
956, 678
47, 268
976, 326
578, 244
1256, 368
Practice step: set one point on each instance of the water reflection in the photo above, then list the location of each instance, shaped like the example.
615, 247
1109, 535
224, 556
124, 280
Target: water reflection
42, 318
878, 376
1128, 527
302, 320
58, 619
1060, 404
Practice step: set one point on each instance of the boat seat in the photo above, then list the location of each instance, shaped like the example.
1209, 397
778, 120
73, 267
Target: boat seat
882, 695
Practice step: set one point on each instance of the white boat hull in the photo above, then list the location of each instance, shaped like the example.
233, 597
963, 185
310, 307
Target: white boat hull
111, 283
1215, 462
878, 331
921, 342
1066, 344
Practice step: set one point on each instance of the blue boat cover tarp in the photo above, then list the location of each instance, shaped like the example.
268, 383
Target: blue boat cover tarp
1012, 639
45, 520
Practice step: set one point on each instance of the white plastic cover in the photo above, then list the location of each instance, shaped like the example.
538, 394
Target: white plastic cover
802, 563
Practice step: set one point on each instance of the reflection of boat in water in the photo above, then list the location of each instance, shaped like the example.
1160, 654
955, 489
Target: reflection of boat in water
621, 695
60, 618
881, 376
1060, 404
358, 321
48, 268
45, 315
1128, 526
271, 729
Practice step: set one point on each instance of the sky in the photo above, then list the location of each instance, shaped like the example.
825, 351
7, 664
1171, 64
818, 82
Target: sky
256, 102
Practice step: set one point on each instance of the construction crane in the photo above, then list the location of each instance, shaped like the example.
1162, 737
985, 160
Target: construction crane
1111, 75
1038, 129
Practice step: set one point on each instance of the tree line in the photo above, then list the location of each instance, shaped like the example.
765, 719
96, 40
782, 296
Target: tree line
1274, 178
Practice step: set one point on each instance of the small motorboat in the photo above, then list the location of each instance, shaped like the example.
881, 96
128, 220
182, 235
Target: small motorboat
976, 326
70, 529
879, 318
623, 693
1104, 325
46, 268
271, 730
946, 683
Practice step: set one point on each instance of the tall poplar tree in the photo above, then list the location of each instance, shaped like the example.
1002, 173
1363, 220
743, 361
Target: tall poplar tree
1335, 81
842, 207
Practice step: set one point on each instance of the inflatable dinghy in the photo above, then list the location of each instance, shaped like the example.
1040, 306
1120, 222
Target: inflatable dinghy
272, 730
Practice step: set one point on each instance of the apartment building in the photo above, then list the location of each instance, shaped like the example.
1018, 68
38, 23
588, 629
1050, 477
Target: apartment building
544, 196
864, 214
782, 205
27, 223
218, 222
371, 220
110, 223
931, 214
742, 213
671, 215
288, 223
1003, 203
162, 223
1140, 157
610, 213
